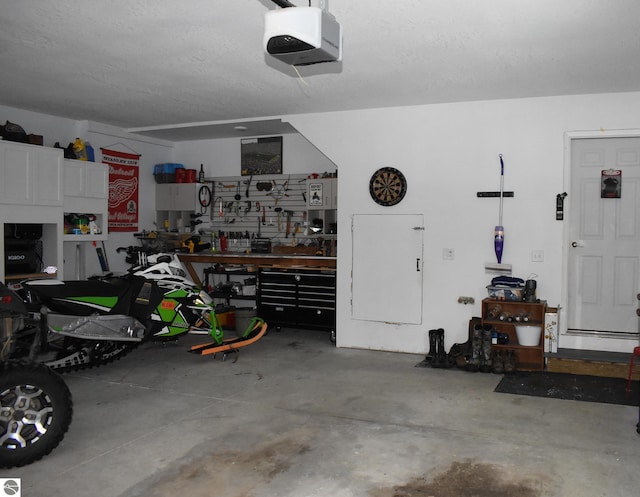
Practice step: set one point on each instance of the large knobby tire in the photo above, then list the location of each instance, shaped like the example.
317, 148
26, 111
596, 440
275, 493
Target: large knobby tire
35, 412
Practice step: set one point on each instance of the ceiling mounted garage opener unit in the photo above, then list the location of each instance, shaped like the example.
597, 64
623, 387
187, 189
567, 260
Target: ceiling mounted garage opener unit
302, 35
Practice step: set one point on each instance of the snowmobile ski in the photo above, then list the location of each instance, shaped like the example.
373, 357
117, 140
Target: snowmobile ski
255, 331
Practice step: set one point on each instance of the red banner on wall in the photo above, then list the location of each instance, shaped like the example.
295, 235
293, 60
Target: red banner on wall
123, 189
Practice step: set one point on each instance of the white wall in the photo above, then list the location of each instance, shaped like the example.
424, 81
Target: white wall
222, 157
448, 153
53, 129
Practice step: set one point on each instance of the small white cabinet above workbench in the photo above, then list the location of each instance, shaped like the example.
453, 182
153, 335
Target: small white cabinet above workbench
322, 206
175, 202
322, 193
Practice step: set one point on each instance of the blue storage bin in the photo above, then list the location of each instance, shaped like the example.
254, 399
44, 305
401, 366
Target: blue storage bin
166, 173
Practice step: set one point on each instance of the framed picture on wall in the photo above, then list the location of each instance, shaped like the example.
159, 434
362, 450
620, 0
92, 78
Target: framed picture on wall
261, 155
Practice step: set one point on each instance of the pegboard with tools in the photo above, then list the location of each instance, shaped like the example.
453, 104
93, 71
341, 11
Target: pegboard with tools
265, 206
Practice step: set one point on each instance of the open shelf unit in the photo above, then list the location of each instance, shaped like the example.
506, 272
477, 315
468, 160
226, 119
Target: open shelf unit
504, 315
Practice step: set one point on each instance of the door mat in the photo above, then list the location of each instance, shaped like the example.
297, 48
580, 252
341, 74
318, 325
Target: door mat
571, 387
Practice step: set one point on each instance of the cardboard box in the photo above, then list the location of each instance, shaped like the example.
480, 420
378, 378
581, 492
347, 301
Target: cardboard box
551, 329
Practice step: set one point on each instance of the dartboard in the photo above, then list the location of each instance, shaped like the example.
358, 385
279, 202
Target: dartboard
388, 186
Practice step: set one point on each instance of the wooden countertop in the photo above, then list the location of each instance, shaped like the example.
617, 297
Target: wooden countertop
259, 260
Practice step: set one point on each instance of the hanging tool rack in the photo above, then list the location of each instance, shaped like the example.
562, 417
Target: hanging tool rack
264, 206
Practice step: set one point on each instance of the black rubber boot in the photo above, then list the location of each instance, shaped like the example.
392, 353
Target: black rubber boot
433, 345
485, 356
442, 358
431, 355
439, 359
498, 362
510, 361
476, 349
460, 353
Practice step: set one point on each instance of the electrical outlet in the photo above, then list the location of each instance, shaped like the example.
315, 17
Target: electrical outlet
537, 256
448, 254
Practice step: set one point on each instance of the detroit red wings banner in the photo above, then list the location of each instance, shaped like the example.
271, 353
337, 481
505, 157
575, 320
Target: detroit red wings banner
123, 189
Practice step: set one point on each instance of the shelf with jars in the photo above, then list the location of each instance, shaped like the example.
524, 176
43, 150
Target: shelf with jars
523, 325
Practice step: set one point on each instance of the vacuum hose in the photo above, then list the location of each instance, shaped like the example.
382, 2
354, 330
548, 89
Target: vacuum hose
283, 3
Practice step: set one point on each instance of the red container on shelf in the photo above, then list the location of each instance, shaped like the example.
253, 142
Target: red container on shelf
192, 175
181, 176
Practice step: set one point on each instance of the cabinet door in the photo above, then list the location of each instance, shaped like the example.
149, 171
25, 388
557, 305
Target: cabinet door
333, 199
16, 173
176, 197
184, 196
30, 175
320, 193
74, 178
163, 197
48, 175
96, 184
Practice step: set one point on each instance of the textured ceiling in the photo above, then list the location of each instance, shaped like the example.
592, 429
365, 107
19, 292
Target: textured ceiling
148, 63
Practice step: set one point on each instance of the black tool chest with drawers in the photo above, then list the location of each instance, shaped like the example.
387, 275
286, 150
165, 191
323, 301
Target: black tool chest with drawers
298, 298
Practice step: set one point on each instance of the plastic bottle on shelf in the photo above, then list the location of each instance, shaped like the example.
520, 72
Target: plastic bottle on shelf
506, 316
80, 149
90, 152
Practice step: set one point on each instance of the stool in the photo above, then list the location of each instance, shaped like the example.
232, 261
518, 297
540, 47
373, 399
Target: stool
636, 352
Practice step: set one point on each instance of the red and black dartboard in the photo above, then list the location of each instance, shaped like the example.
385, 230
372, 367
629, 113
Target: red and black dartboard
388, 186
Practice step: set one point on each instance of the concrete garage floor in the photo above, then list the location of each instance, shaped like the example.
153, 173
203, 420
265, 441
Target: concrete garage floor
295, 416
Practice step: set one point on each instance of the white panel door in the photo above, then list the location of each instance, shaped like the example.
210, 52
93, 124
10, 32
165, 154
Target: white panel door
387, 272
604, 260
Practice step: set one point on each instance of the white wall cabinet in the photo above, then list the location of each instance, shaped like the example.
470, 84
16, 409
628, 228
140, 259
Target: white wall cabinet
322, 205
30, 175
176, 196
175, 202
322, 193
86, 191
31, 193
85, 179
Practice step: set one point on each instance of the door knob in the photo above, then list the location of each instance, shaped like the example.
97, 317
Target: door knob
577, 243
574, 244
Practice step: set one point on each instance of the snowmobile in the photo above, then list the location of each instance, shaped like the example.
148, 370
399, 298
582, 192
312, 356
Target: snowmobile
50, 326
92, 322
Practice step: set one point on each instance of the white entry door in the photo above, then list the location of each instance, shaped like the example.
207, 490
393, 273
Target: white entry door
604, 257
386, 282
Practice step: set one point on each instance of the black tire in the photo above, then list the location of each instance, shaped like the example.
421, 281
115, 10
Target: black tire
35, 412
